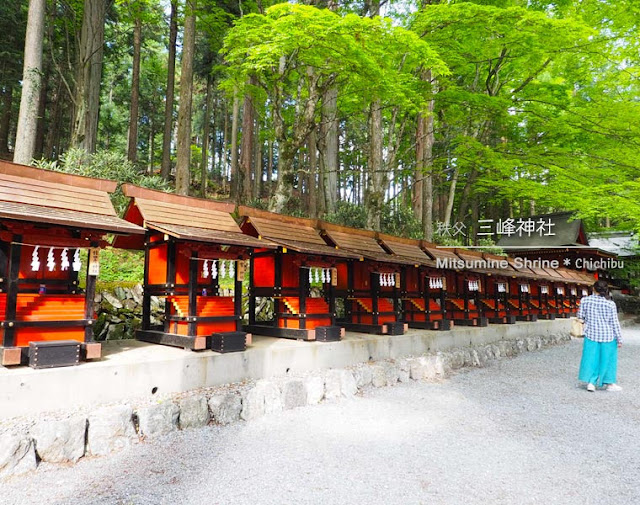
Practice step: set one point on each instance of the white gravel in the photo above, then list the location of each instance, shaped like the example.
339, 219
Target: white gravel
520, 431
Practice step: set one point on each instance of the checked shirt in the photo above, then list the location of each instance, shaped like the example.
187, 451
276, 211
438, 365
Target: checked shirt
600, 318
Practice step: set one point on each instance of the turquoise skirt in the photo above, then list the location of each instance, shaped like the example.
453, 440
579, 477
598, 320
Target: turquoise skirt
599, 364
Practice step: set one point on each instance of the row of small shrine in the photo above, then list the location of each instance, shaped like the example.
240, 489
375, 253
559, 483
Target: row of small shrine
318, 278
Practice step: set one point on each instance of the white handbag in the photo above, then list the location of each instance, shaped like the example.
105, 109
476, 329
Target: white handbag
577, 327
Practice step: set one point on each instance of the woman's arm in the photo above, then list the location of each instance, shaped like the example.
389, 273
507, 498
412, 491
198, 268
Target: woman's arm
617, 331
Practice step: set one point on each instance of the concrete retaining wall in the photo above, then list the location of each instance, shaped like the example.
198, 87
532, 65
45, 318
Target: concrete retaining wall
132, 370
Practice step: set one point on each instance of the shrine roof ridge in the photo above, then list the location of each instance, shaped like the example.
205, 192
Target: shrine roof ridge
133, 191
45, 175
245, 211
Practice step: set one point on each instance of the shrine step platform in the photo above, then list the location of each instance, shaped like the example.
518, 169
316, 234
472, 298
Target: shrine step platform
131, 369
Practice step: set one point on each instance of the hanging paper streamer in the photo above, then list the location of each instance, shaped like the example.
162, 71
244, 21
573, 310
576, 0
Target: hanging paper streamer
223, 269
323, 275
205, 269
544, 289
328, 275
392, 278
317, 274
585, 292
560, 291
574, 292
381, 279
214, 269
76, 261
232, 269
310, 276
524, 288
64, 259
502, 288
51, 261
35, 260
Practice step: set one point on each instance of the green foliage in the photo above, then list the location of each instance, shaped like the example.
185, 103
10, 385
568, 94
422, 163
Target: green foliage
395, 221
105, 165
348, 214
533, 100
540, 102
489, 246
448, 240
297, 53
257, 204
121, 266
630, 272
13, 24
400, 222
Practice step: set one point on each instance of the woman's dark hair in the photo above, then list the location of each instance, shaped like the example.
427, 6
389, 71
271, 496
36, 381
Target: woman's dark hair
602, 288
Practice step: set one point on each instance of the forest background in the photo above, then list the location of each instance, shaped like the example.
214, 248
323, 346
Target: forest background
405, 117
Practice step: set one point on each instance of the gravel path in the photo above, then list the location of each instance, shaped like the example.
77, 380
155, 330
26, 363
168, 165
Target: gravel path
520, 431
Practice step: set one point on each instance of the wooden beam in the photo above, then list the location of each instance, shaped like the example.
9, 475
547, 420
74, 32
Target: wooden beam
272, 331
193, 294
187, 342
12, 291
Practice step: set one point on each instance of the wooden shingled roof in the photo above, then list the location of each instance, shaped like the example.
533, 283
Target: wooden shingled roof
543, 274
186, 218
361, 242
509, 271
574, 276
437, 252
554, 274
47, 197
470, 257
406, 248
522, 270
295, 233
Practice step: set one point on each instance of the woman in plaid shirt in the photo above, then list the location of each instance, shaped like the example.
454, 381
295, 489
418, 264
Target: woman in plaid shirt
602, 337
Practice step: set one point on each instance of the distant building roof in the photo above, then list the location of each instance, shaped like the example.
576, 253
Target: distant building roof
565, 232
622, 243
